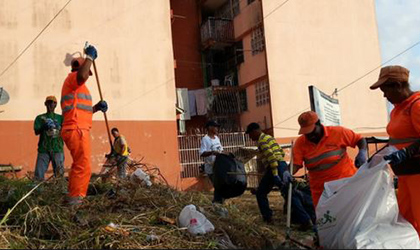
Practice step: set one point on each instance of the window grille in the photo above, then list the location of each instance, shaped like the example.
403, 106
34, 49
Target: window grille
257, 41
262, 95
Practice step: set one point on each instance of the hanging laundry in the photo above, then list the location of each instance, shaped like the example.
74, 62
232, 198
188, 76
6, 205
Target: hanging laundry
210, 98
183, 102
201, 100
193, 105
182, 127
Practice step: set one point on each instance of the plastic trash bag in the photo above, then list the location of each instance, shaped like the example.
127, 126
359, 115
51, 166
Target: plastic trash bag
195, 221
140, 176
229, 176
361, 212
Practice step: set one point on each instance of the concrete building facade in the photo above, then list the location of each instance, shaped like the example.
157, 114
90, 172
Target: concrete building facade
262, 56
135, 67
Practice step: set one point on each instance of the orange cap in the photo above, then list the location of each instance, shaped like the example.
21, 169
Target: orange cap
395, 72
51, 98
307, 122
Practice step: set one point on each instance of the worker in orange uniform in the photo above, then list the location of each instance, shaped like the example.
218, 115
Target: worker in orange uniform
76, 105
322, 150
404, 132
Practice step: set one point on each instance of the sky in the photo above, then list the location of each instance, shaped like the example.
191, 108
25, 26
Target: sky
399, 28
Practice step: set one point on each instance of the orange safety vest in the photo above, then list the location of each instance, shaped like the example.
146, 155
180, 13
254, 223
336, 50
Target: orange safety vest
76, 104
404, 129
401, 129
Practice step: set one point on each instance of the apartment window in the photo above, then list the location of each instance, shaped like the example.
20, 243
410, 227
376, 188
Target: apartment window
261, 93
243, 101
250, 1
236, 7
257, 40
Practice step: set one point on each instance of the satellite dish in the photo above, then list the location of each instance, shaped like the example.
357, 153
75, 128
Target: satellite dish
4, 96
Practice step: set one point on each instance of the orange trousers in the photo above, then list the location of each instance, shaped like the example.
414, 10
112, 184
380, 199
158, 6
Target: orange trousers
409, 199
78, 142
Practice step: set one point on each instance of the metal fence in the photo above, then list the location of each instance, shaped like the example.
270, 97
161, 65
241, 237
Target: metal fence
237, 143
189, 147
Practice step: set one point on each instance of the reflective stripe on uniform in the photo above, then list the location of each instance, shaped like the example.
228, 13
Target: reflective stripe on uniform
394, 141
84, 96
67, 108
323, 166
320, 167
84, 107
67, 97
325, 155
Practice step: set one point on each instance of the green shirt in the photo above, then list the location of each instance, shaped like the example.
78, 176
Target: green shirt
49, 140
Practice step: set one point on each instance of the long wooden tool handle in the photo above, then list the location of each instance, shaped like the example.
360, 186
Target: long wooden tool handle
100, 94
289, 194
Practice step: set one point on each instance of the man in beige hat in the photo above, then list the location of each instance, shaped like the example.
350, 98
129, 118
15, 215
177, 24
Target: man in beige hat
404, 134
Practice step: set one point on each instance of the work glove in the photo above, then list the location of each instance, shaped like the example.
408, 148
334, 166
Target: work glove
91, 52
287, 177
278, 181
49, 124
102, 106
57, 125
397, 157
361, 158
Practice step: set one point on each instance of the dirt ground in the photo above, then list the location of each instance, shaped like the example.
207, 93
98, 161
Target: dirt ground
248, 202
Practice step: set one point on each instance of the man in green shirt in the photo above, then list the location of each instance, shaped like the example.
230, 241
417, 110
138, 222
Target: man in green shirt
50, 145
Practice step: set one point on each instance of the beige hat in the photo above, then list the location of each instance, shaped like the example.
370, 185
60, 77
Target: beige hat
395, 72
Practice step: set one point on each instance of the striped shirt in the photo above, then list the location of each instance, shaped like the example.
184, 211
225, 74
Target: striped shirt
270, 153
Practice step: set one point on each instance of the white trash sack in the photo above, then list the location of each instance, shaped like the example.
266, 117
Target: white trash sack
361, 212
140, 176
195, 221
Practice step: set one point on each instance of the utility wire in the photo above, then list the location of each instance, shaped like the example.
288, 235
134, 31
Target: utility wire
61, 10
290, 117
277, 8
382, 64
357, 79
30, 44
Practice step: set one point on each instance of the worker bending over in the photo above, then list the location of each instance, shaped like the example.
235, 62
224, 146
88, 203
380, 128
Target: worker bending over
120, 152
323, 151
271, 157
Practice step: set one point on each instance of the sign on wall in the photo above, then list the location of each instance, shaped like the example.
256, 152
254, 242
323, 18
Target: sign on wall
327, 108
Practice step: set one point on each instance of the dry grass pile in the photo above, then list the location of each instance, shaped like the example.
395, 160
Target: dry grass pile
143, 218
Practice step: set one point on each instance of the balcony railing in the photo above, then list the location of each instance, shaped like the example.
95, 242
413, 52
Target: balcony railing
217, 30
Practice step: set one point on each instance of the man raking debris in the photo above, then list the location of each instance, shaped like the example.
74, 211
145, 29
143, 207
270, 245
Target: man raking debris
76, 104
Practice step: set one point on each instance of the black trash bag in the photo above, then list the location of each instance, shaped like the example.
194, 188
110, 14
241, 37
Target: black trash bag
229, 176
